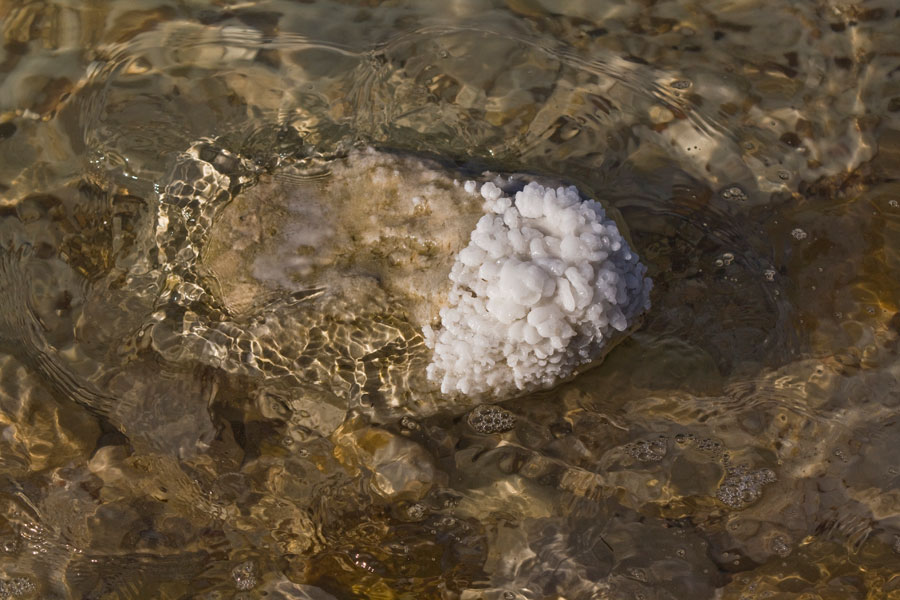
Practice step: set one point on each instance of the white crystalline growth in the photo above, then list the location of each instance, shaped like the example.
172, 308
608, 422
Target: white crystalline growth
544, 283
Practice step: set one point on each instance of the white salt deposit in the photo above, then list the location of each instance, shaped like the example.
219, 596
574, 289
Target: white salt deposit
544, 283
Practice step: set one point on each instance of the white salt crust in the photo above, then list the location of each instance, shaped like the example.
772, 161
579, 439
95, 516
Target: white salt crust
544, 283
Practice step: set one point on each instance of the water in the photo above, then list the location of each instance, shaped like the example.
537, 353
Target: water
742, 443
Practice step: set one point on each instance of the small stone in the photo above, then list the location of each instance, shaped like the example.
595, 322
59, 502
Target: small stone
400, 467
660, 114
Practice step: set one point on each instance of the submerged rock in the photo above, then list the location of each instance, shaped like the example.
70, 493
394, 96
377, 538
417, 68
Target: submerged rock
373, 216
399, 468
392, 281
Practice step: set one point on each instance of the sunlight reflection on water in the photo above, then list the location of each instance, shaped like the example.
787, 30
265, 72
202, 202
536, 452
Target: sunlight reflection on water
167, 433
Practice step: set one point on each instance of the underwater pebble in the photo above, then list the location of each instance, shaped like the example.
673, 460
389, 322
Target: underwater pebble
399, 466
488, 418
660, 114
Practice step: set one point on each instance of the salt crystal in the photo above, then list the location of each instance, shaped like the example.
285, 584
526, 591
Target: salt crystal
542, 285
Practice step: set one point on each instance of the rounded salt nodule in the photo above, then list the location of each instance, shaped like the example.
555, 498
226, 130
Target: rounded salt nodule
544, 282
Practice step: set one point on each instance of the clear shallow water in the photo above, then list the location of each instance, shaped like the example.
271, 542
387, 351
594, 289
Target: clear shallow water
742, 443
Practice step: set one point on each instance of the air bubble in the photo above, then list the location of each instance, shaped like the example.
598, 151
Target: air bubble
734, 192
724, 260
743, 487
781, 546
244, 576
647, 450
488, 419
365, 561
16, 587
415, 512
710, 446
637, 574
798, 234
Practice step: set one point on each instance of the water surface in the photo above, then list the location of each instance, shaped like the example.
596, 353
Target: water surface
742, 443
